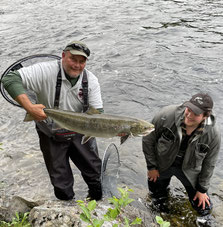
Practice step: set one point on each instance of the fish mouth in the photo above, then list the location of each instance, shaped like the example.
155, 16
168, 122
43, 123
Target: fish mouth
147, 132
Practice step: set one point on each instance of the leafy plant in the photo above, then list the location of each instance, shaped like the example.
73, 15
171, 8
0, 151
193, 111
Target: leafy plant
21, 220
161, 222
0, 146
112, 214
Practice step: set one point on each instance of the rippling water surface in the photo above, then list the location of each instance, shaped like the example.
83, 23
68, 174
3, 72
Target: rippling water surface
146, 53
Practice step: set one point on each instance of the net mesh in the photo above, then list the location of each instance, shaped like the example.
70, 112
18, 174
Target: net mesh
110, 170
24, 62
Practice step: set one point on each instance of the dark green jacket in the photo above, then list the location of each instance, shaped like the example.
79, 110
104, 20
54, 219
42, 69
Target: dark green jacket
162, 145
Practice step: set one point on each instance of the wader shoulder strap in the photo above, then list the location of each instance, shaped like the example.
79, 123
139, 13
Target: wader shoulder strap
84, 86
58, 87
85, 91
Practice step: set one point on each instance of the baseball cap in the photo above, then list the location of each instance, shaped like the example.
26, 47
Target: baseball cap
78, 48
200, 103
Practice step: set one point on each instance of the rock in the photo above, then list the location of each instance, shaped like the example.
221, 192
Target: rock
9, 206
67, 214
56, 214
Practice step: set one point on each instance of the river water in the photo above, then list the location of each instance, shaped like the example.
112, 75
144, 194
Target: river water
146, 54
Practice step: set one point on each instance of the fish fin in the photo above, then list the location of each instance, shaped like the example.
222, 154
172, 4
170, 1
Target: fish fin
124, 138
85, 139
28, 117
55, 126
91, 110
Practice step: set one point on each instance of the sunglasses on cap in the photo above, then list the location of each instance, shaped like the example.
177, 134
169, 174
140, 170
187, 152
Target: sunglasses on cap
77, 46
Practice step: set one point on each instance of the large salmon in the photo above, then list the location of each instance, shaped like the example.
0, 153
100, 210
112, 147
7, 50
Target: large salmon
95, 124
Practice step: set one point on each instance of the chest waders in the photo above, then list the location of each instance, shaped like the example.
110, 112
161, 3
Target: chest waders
59, 148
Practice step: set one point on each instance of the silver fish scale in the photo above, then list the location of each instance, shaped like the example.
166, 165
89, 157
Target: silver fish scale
96, 125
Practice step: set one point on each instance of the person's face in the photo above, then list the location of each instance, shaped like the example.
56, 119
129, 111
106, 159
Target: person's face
191, 119
73, 64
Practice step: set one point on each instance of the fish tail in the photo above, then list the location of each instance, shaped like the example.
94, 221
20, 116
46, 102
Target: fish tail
28, 117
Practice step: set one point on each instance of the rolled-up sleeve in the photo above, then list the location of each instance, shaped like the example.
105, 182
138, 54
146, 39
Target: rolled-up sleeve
148, 146
12, 83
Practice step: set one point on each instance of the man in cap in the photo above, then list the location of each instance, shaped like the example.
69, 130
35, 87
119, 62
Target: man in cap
67, 85
185, 144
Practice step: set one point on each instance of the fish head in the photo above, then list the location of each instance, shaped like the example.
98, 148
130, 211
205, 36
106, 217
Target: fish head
142, 128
